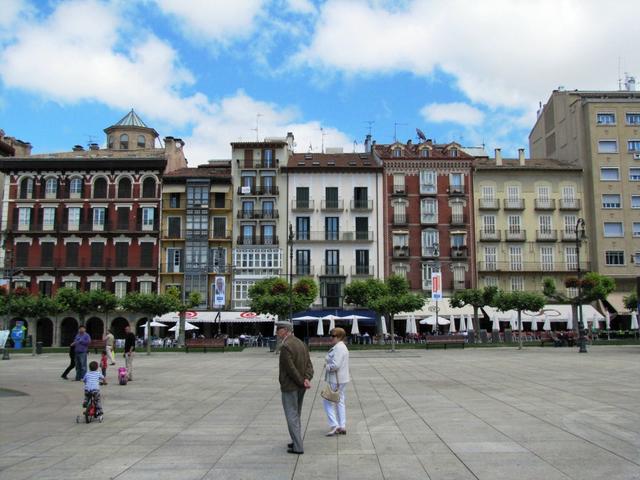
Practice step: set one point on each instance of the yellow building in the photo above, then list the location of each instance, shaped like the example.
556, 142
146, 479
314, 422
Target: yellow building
197, 221
526, 213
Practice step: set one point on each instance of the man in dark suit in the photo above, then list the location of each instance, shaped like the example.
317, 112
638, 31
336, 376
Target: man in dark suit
296, 371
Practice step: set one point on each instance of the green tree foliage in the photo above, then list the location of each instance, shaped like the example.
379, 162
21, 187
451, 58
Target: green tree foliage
630, 302
174, 298
31, 309
272, 296
519, 301
592, 286
75, 301
475, 297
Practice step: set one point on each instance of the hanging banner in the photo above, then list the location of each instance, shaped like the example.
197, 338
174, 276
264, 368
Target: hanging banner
436, 286
219, 292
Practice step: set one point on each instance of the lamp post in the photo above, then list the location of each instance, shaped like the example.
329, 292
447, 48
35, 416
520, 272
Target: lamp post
436, 266
580, 235
221, 254
290, 243
9, 269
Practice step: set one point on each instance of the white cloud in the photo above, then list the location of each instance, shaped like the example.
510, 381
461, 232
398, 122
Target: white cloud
455, 112
219, 21
501, 53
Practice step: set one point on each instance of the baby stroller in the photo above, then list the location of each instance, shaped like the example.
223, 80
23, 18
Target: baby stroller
122, 376
90, 409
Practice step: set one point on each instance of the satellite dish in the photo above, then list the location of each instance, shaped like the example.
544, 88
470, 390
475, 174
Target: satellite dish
421, 135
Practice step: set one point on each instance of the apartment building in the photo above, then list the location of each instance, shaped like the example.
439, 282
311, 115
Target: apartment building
526, 212
335, 205
260, 202
196, 233
600, 131
428, 213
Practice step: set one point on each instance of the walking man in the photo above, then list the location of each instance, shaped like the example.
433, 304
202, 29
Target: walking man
81, 343
110, 344
296, 371
129, 350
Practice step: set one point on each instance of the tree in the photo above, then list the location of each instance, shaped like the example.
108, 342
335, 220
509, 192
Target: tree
386, 298
630, 302
273, 296
151, 305
476, 298
75, 301
175, 299
519, 301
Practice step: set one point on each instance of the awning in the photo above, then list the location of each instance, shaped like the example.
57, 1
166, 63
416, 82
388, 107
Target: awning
555, 313
616, 300
212, 317
444, 309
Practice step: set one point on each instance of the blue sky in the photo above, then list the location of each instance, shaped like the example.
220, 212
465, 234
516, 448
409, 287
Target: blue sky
460, 70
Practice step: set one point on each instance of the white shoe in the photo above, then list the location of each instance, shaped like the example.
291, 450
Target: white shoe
332, 432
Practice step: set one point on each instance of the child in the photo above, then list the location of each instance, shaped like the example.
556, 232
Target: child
104, 361
92, 381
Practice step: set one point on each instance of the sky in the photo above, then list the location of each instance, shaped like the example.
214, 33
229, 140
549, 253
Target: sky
211, 71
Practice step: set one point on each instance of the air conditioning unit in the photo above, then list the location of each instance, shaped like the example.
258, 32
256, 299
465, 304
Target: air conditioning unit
636, 156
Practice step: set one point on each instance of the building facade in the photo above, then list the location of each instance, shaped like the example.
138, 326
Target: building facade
197, 222
260, 205
428, 213
525, 219
335, 209
601, 132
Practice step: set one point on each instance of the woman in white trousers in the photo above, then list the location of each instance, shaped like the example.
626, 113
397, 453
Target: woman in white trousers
337, 375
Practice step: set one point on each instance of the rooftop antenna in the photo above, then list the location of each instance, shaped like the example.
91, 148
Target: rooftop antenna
370, 123
619, 74
395, 130
355, 144
258, 115
323, 135
90, 139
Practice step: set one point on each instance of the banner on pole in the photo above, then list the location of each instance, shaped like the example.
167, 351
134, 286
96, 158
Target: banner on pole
436, 286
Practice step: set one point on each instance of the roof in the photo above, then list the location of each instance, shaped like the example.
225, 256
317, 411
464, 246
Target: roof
82, 162
222, 172
101, 154
321, 162
412, 151
6, 150
131, 119
530, 164
265, 144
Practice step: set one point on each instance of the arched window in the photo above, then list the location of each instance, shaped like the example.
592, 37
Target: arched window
75, 188
51, 188
100, 188
111, 140
397, 152
142, 142
148, 188
26, 188
453, 152
424, 153
124, 142
124, 188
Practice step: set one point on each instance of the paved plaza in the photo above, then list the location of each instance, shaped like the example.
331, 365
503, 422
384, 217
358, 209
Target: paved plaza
483, 413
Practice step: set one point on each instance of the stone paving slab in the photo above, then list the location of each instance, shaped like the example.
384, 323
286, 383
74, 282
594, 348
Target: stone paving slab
439, 415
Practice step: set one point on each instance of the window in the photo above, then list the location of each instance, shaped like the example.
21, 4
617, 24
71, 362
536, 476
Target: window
634, 174
120, 289
400, 240
302, 228
611, 200
633, 118
453, 152
302, 197
397, 152
46, 288
401, 269
95, 285
124, 142
72, 284
360, 197
490, 258
633, 145
74, 218
513, 193
515, 259
219, 227
490, 282
48, 218
613, 229
635, 201
546, 259
570, 223
489, 224
267, 158
362, 262
427, 271
331, 196
332, 228
429, 242
428, 210
122, 254
111, 141
146, 254
400, 211
636, 229
544, 223
142, 142
124, 188
517, 284
46, 254
488, 193
174, 260
72, 254
456, 182
26, 188
609, 174
50, 188
428, 181
362, 228
544, 194
148, 214
614, 257
303, 262
569, 194
100, 188
219, 200
75, 188
174, 200
97, 254
458, 240
24, 218
22, 254
514, 222
424, 153
98, 218
331, 293
607, 146
332, 262
149, 189
146, 287
606, 118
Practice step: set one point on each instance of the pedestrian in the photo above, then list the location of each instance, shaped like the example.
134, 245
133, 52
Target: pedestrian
110, 343
129, 350
103, 365
296, 372
337, 376
72, 362
81, 342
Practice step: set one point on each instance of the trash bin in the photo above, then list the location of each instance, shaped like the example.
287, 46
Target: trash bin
272, 345
39, 346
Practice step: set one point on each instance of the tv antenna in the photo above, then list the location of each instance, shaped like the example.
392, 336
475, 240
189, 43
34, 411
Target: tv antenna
395, 130
323, 135
258, 115
90, 139
370, 123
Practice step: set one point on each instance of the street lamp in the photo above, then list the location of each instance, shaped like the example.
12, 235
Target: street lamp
290, 243
9, 271
435, 265
221, 254
580, 233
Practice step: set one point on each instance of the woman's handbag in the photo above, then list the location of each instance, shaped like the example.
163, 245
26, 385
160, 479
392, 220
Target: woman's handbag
329, 394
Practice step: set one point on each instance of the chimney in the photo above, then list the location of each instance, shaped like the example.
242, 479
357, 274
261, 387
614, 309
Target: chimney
367, 143
94, 146
290, 140
409, 142
78, 148
521, 156
498, 154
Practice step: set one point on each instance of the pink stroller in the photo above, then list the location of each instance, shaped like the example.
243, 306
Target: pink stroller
122, 376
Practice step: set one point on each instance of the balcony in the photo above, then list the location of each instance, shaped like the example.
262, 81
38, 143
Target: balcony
568, 236
257, 240
544, 204
489, 204
399, 219
332, 270
362, 205
429, 219
534, 267
456, 190
362, 270
332, 205
257, 214
429, 252
515, 235
302, 205
268, 164
173, 234
458, 219
400, 252
331, 236
303, 270
399, 190
428, 189
258, 190
513, 204
220, 235
219, 206
570, 204
459, 285
460, 251
546, 235
490, 235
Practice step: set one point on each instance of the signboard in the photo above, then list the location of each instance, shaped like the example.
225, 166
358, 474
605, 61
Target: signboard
219, 292
245, 190
436, 286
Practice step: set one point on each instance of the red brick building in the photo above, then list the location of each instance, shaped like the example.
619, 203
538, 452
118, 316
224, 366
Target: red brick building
428, 213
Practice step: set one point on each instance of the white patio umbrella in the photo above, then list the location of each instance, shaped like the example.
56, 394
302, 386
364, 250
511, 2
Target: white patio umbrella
607, 320
547, 323
452, 327
384, 325
585, 321
320, 330
496, 325
634, 321
155, 323
570, 319
534, 324
432, 321
187, 326
355, 328
306, 318
275, 328
411, 324
469, 323
463, 324
332, 320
